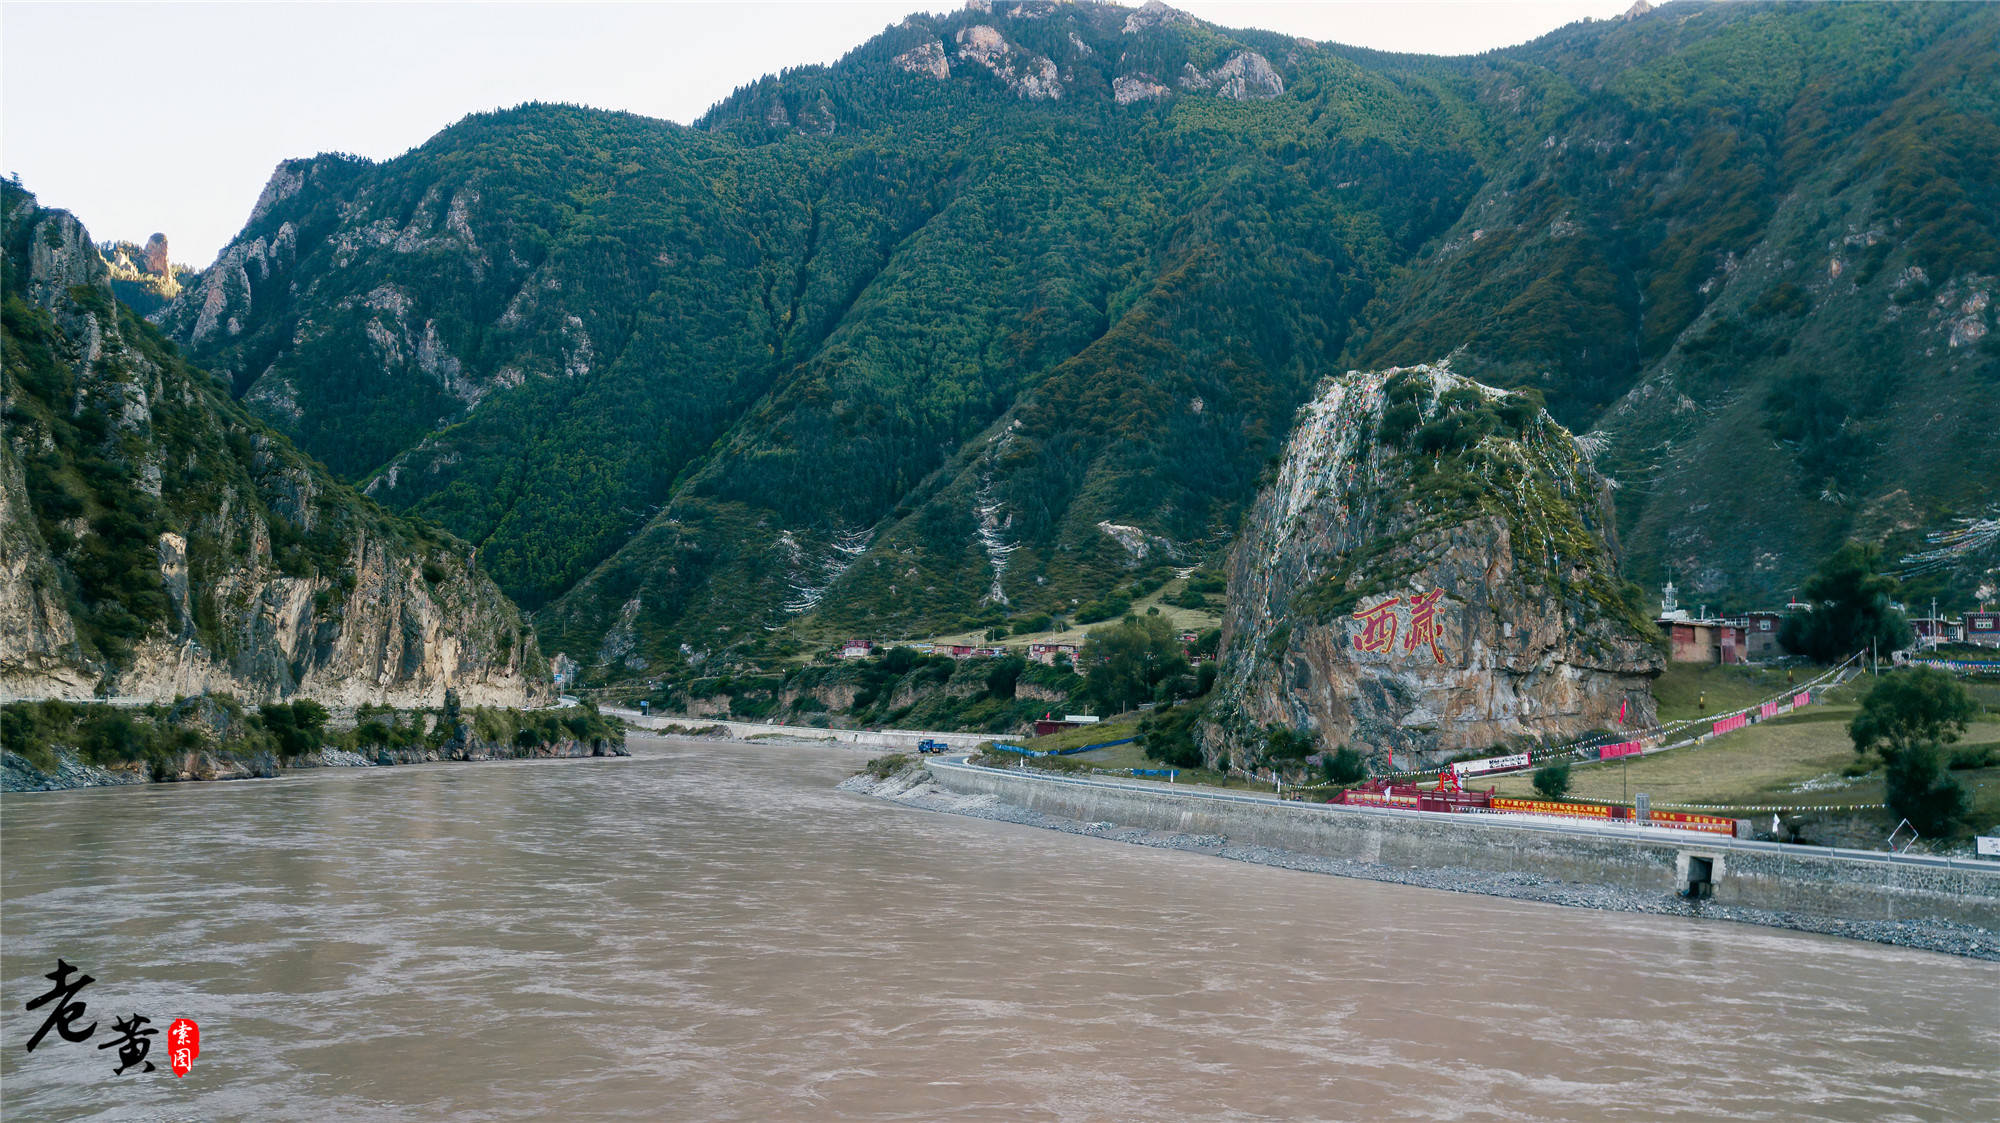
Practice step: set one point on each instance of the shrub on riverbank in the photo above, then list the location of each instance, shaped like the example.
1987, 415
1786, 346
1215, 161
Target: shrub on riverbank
535, 728
883, 767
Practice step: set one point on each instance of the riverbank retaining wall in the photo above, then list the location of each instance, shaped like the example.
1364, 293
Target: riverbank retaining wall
1798, 879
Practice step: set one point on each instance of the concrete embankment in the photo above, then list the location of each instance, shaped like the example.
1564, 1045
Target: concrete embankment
905, 740
1950, 905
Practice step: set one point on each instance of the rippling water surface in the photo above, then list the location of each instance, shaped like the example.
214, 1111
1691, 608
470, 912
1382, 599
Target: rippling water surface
708, 931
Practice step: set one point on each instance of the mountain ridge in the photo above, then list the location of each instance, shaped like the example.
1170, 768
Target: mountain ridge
875, 343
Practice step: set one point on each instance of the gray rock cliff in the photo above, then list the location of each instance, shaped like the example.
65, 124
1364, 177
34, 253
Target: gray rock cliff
155, 540
1431, 572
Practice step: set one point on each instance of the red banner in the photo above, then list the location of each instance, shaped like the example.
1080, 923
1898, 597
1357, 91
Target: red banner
1548, 807
1623, 748
1677, 820
1730, 724
1378, 799
1770, 709
1682, 820
1801, 701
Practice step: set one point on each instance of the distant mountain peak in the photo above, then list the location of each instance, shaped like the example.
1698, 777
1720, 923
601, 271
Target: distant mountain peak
1155, 14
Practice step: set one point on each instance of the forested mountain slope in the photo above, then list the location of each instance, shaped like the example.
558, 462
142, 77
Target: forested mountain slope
1758, 259
1015, 301
157, 540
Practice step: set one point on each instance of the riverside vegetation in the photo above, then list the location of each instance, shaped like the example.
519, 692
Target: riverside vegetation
216, 736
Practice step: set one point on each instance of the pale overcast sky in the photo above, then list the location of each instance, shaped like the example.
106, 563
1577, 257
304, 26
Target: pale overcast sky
144, 117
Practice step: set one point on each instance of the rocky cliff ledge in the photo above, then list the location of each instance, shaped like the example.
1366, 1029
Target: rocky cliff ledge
155, 540
1431, 572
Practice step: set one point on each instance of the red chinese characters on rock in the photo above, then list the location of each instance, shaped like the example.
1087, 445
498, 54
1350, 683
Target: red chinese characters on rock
1378, 627
1424, 626
1380, 624
183, 1045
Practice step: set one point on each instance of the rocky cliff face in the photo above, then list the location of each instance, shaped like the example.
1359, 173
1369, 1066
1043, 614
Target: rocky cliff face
155, 540
1078, 68
1431, 572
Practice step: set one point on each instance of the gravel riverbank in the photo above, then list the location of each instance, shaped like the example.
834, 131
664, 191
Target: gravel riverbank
913, 787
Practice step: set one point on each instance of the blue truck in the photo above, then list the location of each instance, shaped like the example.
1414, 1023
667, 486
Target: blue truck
929, 746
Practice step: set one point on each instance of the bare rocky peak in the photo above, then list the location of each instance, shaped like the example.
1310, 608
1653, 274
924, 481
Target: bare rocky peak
286, 180
1636, 10
1244, 76
1033, 9
157, 261
1155, 14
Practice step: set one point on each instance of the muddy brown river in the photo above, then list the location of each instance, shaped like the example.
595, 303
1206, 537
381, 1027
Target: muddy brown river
708, 931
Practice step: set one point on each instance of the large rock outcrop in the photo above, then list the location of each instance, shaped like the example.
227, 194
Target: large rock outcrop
1247, 76
1028, 75
1431, 572
155, 540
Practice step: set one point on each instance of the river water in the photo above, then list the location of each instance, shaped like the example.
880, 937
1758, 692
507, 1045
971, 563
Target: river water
709, 931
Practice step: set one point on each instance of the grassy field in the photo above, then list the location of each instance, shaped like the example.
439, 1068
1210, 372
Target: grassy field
1118, 756
1691, 690
1765, 763
1794, 761
1124, 756
1110, 729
